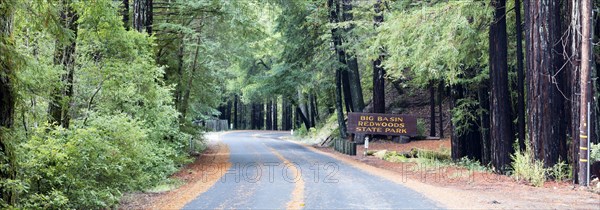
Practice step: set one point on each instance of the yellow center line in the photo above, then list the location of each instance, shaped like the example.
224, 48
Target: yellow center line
297, 201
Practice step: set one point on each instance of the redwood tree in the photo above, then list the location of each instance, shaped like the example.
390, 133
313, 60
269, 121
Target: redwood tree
64, 56
378, 71
545, 104
501, 122
7, 96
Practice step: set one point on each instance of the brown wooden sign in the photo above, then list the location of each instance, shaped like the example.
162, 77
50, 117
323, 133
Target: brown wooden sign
384, 124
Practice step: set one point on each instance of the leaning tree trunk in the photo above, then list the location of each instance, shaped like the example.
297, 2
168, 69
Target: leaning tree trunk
64, 56
378, 71
501, 121
7, 98
186, 96
544, 100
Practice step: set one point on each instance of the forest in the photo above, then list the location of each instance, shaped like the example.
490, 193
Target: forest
99, 97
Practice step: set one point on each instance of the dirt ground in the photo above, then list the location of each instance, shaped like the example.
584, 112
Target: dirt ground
460, 188
198, 177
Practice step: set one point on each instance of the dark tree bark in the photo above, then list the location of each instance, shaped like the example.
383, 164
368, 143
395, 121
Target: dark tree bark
333, 17
269, 115
311, 110
545, 121
440, 102
466, 143
315, 107
484, 104
228, 113
274, 112
302, 118
125, 14
7, 99
235, 112
378, 71
143, 15
520, 78
284, 114
358, 103
501, 121
64, 56
432, 109
179, 88
186, 96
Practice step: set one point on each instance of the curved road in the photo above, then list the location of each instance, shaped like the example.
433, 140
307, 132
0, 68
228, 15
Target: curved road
270, 173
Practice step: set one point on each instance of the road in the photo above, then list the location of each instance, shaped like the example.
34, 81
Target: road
270, 173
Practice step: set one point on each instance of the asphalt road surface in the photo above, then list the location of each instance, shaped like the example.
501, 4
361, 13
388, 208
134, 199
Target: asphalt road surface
270, 173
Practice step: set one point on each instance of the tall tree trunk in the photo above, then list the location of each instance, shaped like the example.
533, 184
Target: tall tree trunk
228, 113
333, 17
179, 88
235, 112
585, 88
574, 69
484, 104
501, 121
269, 115
7, 98
143, 15
432, 109
284, 114
186, 96
358, 102
274, 106
378, 100
313, 109
440, 102
65, 56
125, 14
520, 78
543, 97
338, 104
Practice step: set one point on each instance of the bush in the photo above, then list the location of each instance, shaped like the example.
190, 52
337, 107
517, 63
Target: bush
560, 171
595, 153
527, 169
88, 167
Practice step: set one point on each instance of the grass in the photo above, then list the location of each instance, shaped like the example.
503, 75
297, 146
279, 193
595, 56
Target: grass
166, 185
434, 158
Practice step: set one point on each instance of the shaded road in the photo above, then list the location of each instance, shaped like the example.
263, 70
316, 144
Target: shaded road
270, 173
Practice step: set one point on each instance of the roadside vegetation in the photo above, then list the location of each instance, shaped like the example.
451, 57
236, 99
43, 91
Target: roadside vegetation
100, 98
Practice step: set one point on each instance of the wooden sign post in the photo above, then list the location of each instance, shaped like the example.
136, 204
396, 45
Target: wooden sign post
382, 124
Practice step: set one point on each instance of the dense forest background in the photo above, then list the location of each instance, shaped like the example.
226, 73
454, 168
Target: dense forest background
99, 97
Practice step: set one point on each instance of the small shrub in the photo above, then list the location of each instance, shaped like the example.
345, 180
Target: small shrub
421, 127
470, 164
560, 171
595, 153
527, 169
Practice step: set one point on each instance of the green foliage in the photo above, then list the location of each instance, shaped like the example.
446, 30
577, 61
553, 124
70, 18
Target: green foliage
436, 42
594, 152
526, 168
90, 167
421, 127
560, 171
